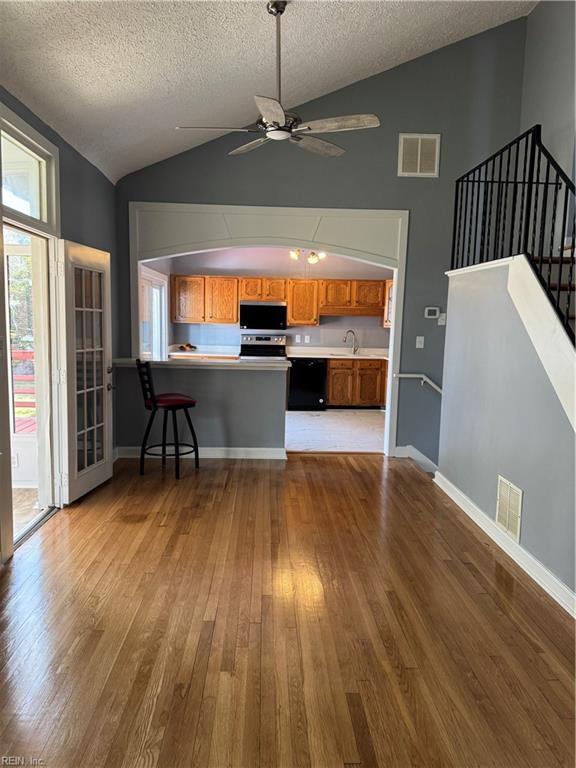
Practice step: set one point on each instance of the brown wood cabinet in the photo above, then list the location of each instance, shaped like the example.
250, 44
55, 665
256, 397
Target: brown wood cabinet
335, 294
187, 299
274, 289
388, 308
262, 289
303, 302
221, 299
250, 288
357, 382
368, 293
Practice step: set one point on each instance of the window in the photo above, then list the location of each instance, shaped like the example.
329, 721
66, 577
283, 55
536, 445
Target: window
30, 181
153, 314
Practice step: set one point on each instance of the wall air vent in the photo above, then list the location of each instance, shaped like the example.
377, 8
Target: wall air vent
419, 154
509, 507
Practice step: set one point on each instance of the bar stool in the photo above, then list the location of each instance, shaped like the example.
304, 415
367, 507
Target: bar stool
167, 402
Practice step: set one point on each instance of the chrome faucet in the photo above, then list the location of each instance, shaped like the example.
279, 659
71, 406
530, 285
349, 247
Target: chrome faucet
355, 345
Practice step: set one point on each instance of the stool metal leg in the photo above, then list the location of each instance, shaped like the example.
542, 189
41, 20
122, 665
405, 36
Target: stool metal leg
194, 440
145, 440
176, 445
164, 425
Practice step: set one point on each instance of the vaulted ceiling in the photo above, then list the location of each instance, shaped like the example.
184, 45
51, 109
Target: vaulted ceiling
115, 78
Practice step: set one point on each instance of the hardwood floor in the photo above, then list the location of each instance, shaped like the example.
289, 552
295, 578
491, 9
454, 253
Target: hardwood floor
327, 611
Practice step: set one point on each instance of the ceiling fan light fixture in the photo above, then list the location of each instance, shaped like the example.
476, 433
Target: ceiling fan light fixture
313, 258
321, 255
295, 254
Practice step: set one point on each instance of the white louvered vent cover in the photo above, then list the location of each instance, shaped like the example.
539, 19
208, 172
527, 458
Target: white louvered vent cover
509, 507
419, 154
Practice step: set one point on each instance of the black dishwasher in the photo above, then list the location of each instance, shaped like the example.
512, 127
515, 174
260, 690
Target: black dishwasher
307, 384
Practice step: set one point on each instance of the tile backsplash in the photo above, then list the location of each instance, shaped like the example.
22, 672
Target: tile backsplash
330, 333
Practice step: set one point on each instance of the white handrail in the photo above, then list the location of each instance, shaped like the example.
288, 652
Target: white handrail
423, 379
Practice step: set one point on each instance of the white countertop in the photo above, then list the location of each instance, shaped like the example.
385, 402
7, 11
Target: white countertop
364, 353
212, 362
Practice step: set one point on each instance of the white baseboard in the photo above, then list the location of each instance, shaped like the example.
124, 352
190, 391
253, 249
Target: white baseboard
410, 452
132, 452
550, 583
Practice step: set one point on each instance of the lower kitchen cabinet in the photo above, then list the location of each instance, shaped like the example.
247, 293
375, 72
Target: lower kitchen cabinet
357, 382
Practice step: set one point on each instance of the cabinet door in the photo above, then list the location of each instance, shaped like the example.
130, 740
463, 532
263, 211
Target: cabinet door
221, 300
340, 382
388, 304
368, 293
384, 381
303, 302
274, 289
251, 288
368, 382
187, 299
335, 293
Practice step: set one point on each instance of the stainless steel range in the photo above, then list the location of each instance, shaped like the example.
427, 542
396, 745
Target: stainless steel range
263, 345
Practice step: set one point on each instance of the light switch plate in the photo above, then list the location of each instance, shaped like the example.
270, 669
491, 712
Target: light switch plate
419, 342
298, 338
442, 318
306, 339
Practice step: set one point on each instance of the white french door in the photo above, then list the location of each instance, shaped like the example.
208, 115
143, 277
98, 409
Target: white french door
85, 368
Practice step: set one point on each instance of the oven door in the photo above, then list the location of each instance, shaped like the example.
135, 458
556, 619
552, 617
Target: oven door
262, 316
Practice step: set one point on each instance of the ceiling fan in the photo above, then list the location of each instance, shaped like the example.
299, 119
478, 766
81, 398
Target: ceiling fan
274, 124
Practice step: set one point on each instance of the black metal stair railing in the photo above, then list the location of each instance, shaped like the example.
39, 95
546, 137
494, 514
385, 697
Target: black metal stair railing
519, 201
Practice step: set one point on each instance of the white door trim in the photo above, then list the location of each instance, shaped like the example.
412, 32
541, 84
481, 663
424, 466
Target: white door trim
377, 237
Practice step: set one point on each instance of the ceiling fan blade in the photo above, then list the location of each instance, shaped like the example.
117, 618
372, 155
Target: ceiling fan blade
250, 146
334, 124
212, 128
270, 109
318, 146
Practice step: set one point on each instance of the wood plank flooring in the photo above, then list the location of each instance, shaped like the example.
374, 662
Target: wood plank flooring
325, 611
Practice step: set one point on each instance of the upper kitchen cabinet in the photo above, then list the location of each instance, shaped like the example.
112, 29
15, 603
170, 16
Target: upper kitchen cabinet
221, 300
250, 288
368, 294
335, 294
273, 289
262, 289
303, 302
187, 299
388, 308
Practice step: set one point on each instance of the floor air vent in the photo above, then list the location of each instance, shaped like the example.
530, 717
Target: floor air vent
509, 507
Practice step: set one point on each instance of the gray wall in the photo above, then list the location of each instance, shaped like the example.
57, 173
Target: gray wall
236, 409
469, 92
330, 333
87, 209
500, 415
548, 85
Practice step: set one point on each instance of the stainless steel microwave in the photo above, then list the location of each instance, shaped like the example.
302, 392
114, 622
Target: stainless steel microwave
263, 315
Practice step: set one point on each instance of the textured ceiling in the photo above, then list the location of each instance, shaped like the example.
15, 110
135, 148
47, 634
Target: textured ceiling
115, 78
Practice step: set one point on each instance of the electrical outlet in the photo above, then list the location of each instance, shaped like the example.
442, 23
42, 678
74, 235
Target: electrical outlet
15, 461
306, 339
298, 338
419, 342
442, 318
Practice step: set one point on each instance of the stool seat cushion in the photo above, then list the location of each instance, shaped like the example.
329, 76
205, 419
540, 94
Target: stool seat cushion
173, 400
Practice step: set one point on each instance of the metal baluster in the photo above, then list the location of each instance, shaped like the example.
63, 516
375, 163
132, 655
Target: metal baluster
514, 199
561, 248
484, 213
524, 183
459, 260
543, 220
529, 194
498, 210
467, 185
505, 209
477, 186
489, 214
454, 227
570, 294
472, 195
536, 180
553, 231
